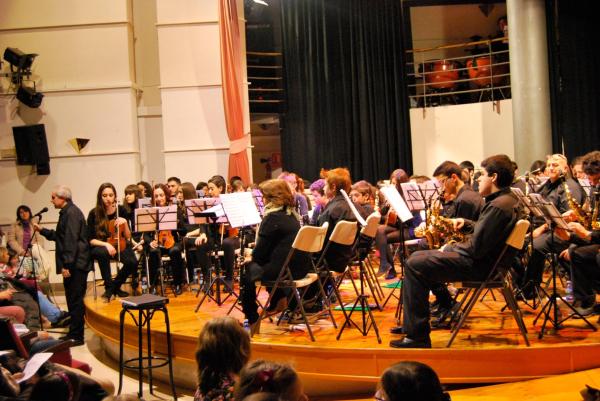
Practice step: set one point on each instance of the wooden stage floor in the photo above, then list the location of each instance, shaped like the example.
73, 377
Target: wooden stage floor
489, 349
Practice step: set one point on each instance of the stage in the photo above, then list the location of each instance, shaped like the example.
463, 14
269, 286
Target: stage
489, 349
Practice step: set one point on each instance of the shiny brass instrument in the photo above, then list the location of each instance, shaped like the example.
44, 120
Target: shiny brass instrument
438, 229
594, 219
583, 217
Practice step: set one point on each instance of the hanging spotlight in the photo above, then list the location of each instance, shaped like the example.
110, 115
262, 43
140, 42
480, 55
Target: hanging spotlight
29, 97
18, 59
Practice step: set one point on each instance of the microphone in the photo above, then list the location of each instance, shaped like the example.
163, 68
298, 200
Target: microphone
39, 214
537, 170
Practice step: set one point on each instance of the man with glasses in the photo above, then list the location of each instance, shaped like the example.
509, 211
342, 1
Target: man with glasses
544, 242
467, 260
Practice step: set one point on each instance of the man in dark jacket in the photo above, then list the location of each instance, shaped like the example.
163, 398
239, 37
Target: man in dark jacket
72, 257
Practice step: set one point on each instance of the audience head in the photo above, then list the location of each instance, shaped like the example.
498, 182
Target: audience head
23, 213
498, 174
4, 255
145, 189
58, 385
590, 164
271, 377
337, 179
410, 381
278, 193
223, 349
216, 186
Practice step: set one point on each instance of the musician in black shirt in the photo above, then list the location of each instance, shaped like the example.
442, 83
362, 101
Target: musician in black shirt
470, 259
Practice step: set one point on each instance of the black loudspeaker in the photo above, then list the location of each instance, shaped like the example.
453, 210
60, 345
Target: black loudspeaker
32, 148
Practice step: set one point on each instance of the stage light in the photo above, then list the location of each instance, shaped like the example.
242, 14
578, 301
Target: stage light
29, 96
22, 61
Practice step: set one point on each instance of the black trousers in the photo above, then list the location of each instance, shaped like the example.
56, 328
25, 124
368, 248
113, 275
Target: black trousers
154, 255
75, 287
101, 255
424, 270
542, 245
585, 264
253, 273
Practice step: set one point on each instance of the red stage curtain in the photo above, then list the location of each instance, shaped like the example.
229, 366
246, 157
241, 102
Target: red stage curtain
231, 73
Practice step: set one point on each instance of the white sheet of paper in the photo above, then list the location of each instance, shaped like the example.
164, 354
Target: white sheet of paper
240, 209
353, 208
394, 198
34, 363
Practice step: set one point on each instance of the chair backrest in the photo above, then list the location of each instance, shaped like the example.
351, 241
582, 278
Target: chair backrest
516, 239
10, 339
370, 230
310, 238
344, 232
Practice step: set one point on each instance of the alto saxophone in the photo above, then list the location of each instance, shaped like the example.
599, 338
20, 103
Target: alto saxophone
583, 217
438, 229
595, 222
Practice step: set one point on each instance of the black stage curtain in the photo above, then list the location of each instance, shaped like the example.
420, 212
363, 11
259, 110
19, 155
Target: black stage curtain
574, 76
347, 100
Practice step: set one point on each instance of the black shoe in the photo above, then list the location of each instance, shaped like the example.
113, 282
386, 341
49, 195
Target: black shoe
444, 311
397, 330
107, 295
122, 294
410, 343
74, 342
63, 320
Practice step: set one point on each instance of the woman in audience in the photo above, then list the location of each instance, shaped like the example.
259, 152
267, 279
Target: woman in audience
270, 377
410, 381
223, 349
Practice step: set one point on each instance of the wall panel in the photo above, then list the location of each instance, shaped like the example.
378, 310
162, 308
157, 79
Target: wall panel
196, 166
181, 11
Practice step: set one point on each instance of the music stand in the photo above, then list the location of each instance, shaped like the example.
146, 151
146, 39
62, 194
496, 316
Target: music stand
214, 215
402, 209
534, 211
550, 310
155, 219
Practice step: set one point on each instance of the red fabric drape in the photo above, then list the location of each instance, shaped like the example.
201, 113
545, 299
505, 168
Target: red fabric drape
231, 73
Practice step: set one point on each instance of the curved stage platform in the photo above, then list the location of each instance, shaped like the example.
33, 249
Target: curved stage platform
489, 349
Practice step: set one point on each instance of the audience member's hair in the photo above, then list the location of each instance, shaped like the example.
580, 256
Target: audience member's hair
502, 166
340, 179
277, 192
591, 163
223, 349
412, 381
59, 385
271, 377
448, 168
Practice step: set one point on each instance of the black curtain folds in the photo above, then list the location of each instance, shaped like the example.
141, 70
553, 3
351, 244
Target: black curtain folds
574, 76
347, 99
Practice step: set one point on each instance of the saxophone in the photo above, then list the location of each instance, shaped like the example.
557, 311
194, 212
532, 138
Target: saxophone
595, 222
583, 217
437, 229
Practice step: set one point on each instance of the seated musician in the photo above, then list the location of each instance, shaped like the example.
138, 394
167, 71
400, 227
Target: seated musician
277, 232
109, 236
459, 201
317, 189
299, 198
21, 238
363, 193
584, 255
470, 259
165, 242
389, 231
544, 242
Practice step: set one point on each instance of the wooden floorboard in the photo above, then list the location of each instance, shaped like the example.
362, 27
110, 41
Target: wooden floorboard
489, 349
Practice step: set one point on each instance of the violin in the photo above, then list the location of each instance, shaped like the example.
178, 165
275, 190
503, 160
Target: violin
165, 239
116, 235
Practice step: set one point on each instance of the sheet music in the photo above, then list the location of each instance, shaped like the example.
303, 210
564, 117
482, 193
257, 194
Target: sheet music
526, 201
145, 219
34, 363
240, 209
585, 184
431, 190
167, 217
144, 202
194, 207
412, 196
394, 198
548, 211
353, 208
